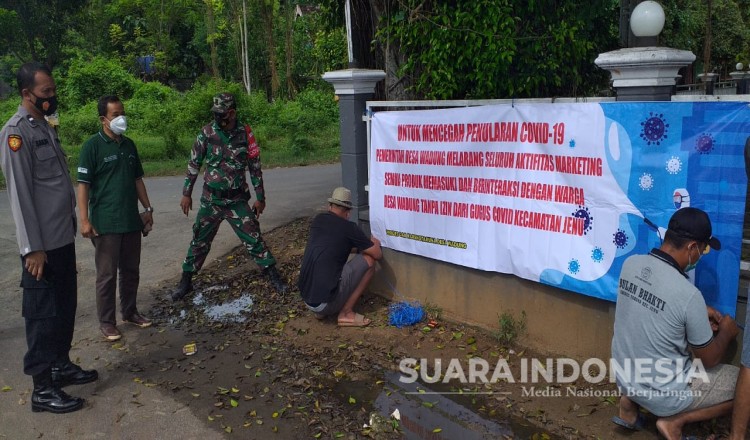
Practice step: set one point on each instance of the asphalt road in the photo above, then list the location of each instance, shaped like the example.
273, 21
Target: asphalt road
109, 412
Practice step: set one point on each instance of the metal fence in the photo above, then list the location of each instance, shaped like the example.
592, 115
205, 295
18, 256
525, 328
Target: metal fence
720, 88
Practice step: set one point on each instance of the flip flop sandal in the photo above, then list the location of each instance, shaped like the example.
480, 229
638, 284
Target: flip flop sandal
359, 321
640, 423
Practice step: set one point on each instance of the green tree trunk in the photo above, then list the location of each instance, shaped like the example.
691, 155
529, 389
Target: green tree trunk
291, 89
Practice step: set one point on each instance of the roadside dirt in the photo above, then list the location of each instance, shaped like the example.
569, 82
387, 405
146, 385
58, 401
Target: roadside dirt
281, 373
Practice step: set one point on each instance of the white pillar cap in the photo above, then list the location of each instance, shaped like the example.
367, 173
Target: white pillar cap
354, 81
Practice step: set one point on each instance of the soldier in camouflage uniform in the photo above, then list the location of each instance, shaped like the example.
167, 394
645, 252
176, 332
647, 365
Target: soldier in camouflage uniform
227, 148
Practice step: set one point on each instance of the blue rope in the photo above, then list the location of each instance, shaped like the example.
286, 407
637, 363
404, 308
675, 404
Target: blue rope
403, 313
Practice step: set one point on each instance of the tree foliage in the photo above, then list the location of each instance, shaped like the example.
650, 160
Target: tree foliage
39, 26
685, 28
731, 34
500, 48
428, 48
90, 79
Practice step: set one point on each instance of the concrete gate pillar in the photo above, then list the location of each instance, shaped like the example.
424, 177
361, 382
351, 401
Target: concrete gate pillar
742, 79
354, 87
645, 72
710, 80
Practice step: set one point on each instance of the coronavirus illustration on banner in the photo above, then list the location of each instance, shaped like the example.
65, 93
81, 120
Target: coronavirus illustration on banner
561, 193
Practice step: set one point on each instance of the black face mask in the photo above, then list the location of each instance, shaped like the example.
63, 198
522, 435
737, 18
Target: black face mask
48, 106
220, 120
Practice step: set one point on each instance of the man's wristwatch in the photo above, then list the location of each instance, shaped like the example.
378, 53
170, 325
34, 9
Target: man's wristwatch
149, 209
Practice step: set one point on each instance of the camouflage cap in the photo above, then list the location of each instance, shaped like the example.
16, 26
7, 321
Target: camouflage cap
223, 102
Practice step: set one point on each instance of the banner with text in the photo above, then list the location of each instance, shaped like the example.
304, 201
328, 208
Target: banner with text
560, 193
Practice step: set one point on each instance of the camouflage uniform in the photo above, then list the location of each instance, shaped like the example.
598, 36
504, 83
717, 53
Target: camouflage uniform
225, 192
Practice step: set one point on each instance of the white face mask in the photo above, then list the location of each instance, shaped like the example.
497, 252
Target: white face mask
691, 265
118, 125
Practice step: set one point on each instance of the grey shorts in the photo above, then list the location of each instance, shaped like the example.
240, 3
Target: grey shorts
351, 275
719, 388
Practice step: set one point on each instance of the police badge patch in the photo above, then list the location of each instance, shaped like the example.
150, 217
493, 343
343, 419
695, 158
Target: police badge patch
15, 142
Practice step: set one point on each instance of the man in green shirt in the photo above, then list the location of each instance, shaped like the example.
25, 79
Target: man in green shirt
110, 184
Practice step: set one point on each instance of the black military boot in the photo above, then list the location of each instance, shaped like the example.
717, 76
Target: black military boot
276, 280
185, 287
69, 373
48, 397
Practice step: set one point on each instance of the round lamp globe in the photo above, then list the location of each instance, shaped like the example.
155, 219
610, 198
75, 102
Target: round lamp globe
647, 19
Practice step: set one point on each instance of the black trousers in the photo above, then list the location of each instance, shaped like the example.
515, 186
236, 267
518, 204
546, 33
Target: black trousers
49, 308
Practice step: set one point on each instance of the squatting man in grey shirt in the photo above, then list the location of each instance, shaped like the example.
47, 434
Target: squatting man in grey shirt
667, 336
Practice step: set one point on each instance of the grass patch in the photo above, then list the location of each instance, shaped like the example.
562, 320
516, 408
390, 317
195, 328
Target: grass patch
298, 132
278, 149
296, 150
433, 311
510, 328
171, 167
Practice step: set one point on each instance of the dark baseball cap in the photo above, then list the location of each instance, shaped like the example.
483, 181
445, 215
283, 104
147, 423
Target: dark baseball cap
223, 102
694, 224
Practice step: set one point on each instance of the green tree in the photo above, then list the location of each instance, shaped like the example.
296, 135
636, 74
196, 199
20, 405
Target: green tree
11, 25
686, 28
500, 48
269, 12
215, 31
40, 28
730, 34
162, 28
684, 25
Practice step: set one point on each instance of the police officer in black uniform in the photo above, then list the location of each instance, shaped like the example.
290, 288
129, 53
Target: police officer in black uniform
42, 201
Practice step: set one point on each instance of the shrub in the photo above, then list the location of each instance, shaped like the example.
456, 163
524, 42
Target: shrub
320, 102
8, 107
148, 116
79, 124
88, 80
257, 108
311, 110
173, 147
154, 92
153, 107
300, 144
195, 110
290, 115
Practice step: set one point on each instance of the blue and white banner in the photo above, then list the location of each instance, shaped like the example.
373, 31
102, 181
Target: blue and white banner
561, 193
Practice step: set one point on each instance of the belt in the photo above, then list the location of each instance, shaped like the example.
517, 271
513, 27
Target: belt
226, 194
